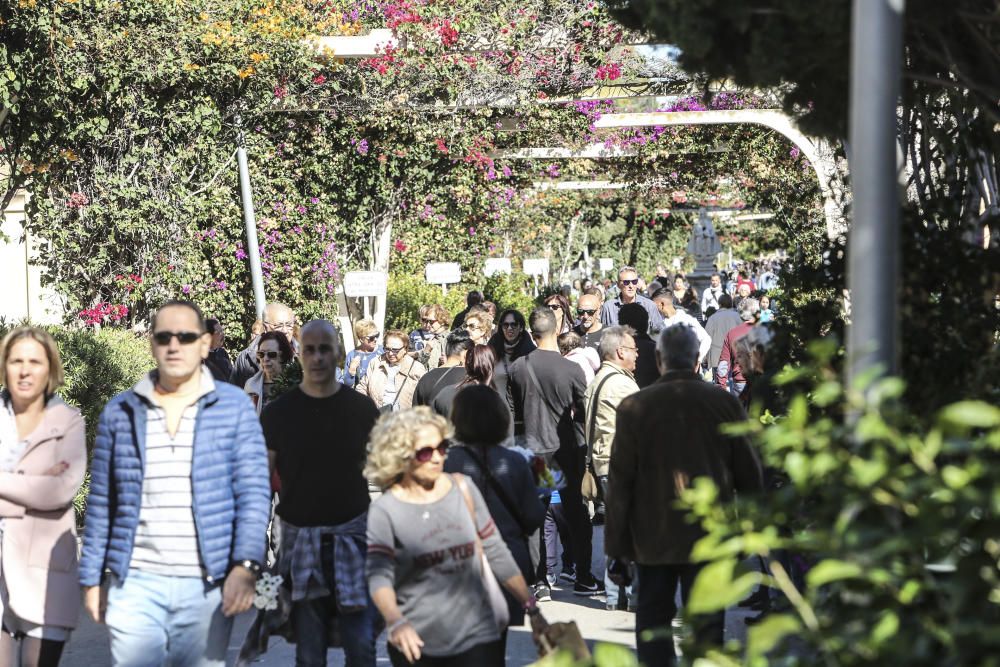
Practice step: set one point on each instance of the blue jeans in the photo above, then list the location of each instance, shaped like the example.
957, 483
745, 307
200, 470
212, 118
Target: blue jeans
159, 620
311, 620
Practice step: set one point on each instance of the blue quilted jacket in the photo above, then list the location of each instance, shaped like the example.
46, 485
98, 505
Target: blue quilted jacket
230, 485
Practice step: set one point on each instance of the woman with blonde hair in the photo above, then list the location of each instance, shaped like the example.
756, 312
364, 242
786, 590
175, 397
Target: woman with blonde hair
391, 379
43, 457
433, 552
366, 349
479, 324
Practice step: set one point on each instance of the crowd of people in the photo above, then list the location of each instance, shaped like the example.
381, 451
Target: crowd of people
438, 484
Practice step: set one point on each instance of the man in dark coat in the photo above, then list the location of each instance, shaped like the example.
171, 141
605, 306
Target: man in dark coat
666, 436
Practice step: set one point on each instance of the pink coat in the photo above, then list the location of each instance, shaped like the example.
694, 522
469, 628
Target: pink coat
39, 539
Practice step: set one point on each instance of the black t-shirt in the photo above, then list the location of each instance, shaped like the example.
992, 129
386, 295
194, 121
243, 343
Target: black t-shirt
433, 381
321, 450
551, 414
591, 339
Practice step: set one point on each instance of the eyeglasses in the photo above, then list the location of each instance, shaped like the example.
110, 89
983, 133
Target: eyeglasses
372, 338
554, 306
394, 350
625, 347
473, 327
267, 354
280, 326
585, 311
183, 337
634, 281
510, 325
424, 454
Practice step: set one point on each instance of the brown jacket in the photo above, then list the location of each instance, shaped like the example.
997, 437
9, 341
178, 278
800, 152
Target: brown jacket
372, 384
668, 434
39, 538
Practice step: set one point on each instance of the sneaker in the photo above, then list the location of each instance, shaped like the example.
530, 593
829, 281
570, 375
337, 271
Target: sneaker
612, 607
552, 579
568, 575
594, 587
543, 593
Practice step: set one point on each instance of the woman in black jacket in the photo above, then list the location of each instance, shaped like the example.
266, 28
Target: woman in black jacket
482, 421
510, 342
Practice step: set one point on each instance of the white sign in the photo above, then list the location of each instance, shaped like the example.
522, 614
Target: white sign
606, 264
536, 267
364, 283
443, 273
496, 265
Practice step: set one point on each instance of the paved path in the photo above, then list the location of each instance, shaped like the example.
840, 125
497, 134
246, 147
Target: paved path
89, 644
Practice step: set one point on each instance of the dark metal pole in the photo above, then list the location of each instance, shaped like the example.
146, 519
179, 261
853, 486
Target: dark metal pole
250, 221
873, 248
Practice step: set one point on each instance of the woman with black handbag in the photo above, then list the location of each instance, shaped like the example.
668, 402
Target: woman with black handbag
481, 422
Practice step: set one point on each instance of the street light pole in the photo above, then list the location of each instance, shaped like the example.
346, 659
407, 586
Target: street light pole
250, 221
873, 248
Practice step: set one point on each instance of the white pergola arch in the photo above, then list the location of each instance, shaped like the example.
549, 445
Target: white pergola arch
819, 153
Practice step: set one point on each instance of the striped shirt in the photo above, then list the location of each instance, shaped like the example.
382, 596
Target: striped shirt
166, 539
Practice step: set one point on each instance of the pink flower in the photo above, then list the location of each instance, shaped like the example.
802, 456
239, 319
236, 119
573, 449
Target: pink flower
77, 200
186, 289
399, 246
608, 72
240, 254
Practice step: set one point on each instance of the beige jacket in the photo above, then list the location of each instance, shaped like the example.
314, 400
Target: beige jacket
601, 412
39, 538
372, 384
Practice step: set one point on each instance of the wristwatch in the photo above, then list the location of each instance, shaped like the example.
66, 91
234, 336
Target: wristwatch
251, 565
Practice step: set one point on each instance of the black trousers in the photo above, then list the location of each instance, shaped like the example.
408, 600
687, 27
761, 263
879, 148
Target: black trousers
573, 462
657, 608
490, 654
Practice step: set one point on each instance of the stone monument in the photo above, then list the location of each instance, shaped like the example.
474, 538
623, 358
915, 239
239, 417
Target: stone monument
704, 246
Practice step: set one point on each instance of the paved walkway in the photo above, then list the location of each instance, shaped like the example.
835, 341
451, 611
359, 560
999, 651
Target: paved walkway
89, 644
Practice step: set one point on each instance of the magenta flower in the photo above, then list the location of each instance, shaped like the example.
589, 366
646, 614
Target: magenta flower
240, 254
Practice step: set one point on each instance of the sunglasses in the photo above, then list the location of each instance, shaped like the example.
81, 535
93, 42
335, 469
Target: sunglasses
424, 454
269, 354
425, 320
394, 350
634, 281
183, 337
554, 306
510, 325
584, 311
371, 339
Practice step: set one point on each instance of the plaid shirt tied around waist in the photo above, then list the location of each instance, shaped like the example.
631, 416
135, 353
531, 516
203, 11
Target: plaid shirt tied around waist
301, 562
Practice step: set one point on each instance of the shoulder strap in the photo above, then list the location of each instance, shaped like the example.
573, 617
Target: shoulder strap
460, 481
505, 499
538, 387
594, 401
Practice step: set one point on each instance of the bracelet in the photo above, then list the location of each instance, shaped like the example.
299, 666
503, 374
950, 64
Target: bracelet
531, 607
396, 625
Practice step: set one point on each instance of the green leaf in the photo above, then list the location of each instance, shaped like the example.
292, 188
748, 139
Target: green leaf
715, 588
764, 636
971, 414
886, 628
832, 570
614, 655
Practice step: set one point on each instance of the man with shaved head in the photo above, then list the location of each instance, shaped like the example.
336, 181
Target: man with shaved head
316, 437
588, 309
277, 317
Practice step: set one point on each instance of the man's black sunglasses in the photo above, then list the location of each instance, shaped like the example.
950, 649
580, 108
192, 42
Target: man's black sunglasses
183, 337
634, 281
584, 311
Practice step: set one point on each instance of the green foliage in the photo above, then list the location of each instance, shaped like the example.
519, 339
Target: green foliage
406, 293
898, 518
509, 292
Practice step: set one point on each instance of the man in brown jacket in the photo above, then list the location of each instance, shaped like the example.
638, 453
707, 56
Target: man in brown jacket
667, 435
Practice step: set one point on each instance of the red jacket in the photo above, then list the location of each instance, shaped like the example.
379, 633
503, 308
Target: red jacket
727, 360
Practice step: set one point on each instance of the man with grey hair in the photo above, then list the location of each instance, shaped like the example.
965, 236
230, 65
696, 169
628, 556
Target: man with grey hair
277, 317
317, 434
613, 382
729, 374
628, 292
666, 436
547, 391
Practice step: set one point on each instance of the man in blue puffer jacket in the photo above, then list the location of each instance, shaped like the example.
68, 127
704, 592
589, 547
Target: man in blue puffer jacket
178, 506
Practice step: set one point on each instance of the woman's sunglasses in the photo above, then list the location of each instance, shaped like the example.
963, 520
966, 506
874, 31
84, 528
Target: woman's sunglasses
424, 454
554, 306
268, 354
371, 339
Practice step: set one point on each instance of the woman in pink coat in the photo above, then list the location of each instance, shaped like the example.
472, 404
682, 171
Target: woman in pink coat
43, 457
